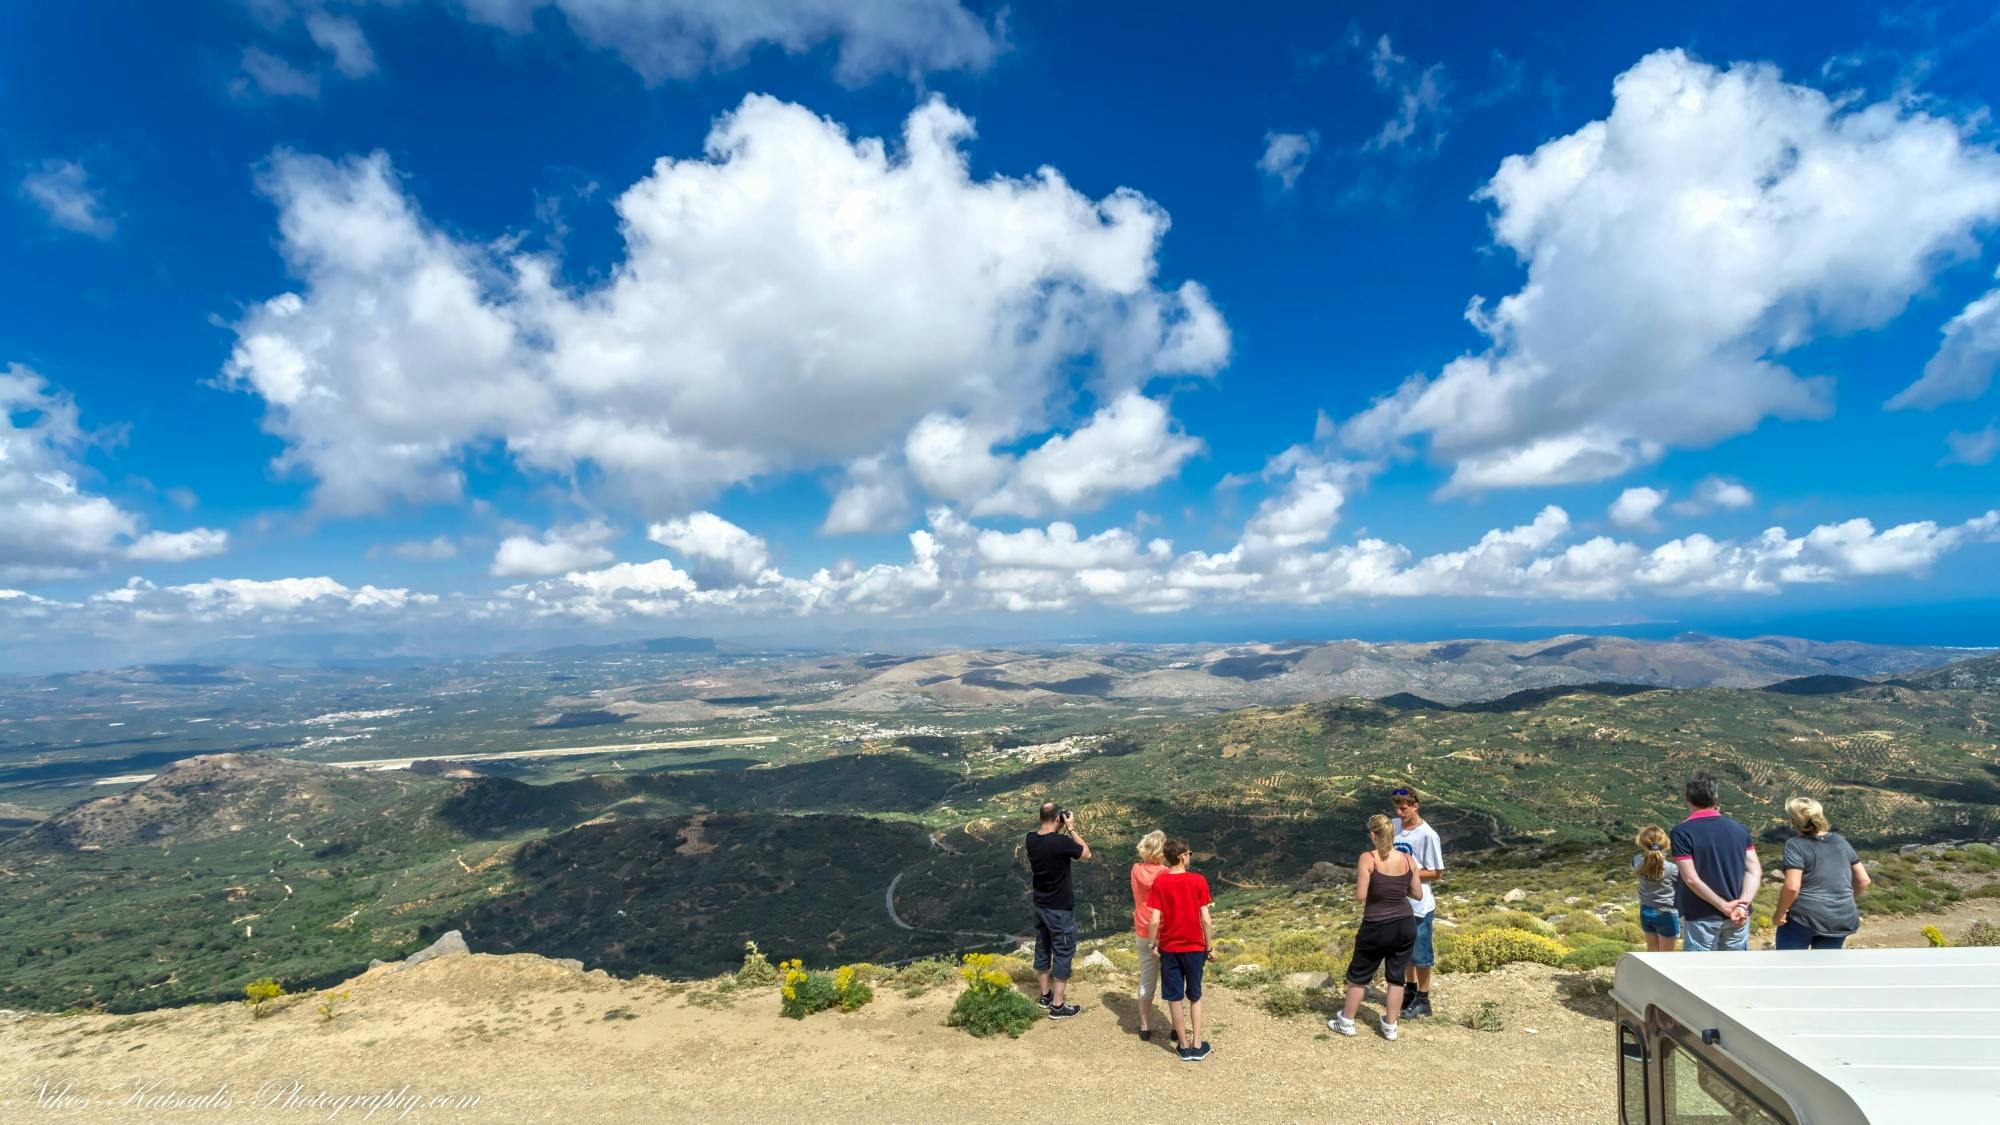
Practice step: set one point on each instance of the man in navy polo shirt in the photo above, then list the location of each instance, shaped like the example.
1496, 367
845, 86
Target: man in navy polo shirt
1720, 872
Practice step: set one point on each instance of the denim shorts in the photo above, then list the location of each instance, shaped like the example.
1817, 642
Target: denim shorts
1665, 923
1421, 954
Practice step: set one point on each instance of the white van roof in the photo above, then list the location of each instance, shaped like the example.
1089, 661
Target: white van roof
1854, 1035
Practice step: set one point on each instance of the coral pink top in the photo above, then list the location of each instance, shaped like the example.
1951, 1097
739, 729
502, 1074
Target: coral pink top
1143, 875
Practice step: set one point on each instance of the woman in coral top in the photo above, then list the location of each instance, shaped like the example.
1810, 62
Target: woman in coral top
1151, 863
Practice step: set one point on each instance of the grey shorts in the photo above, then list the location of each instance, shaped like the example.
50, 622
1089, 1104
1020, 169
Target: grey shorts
1055, 941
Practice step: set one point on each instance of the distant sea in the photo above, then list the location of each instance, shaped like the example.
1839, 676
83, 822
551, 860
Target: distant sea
1970, 625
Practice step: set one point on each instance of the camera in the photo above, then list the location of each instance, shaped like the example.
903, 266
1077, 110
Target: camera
1064, 817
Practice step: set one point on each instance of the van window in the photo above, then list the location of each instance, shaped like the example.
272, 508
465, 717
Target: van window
1631, 1076
1699, 1094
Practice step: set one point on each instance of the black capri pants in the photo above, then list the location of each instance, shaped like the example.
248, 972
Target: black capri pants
1386, 944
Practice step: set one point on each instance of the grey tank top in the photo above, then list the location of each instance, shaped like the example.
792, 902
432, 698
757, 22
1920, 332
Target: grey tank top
1388, 895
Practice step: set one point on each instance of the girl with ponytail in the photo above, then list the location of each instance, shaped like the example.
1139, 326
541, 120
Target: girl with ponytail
1659, 875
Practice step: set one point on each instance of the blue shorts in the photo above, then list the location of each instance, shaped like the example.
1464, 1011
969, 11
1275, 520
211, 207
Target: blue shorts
1665, 923
1421, 954
1180, 975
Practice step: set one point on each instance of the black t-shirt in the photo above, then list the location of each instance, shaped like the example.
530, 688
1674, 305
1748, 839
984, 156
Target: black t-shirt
1049, 856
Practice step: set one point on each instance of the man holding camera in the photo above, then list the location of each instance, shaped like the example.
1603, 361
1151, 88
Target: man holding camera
1052, 847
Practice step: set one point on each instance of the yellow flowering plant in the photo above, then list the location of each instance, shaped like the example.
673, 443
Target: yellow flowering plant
850, 988
990, 1003
803, 991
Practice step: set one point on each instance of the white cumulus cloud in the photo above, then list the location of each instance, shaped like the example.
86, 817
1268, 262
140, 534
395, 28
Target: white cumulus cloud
715, 545
794, 299
1675, 251
559, 549
1635, 507
1713, 494
50, 527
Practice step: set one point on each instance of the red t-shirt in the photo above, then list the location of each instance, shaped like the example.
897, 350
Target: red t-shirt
1179, 897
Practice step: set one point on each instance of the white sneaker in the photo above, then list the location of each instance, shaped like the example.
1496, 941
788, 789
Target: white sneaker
1341, 1024
1389, 1032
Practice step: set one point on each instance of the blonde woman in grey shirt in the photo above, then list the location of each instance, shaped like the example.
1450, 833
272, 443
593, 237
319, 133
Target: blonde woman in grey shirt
1823, 878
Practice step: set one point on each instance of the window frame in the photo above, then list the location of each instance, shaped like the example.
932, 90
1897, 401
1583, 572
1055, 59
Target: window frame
1645, 1058
1674, 1037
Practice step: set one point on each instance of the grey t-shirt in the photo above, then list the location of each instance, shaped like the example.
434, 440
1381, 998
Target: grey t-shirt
1658, 893
1826, 886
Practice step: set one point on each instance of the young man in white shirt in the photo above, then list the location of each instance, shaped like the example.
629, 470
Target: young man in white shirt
1420, 842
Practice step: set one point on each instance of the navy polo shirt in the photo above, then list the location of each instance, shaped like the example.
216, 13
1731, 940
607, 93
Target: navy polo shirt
1716, 845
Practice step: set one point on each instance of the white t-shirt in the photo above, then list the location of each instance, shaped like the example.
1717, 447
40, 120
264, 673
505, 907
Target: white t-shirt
1424, 848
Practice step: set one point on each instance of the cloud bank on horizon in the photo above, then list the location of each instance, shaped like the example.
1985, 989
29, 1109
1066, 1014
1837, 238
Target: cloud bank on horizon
970, 386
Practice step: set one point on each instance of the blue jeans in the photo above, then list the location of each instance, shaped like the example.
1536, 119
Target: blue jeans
1421, 954
1713, 935
1795, 934
1180, 975
1055, 941
1665, 923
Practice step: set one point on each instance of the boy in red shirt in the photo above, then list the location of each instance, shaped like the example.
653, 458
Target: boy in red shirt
1182, 932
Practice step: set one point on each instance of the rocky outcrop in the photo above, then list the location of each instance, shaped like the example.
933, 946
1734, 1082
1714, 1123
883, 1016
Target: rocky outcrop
452, 944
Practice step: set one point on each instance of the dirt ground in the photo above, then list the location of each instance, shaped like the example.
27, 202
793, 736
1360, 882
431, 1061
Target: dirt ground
524, 1039
534, 1041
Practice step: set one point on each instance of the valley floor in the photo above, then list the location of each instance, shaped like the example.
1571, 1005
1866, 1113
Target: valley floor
525, 1039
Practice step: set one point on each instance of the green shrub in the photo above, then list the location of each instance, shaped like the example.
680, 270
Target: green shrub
990, 1004
804, 991
850, 989
757, 969
1282, 1000
867, 972
1507, 920
261, 992
1485, 1017
919, 977
1981, 934
1595, 955
1936, 937
1304, 951
1486, 950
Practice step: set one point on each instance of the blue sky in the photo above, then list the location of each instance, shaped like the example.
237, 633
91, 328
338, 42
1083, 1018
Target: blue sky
461, 323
